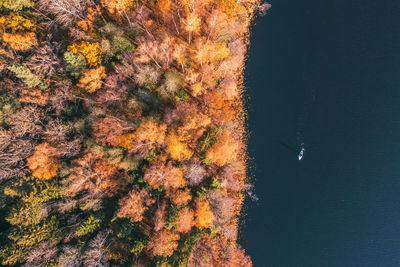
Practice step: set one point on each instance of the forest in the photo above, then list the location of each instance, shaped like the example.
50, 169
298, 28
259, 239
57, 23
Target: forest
122, 132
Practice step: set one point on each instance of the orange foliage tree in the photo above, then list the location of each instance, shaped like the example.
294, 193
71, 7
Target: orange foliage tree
204, 215
149, 135
94, 175
116, 8
134, 205
151, 132
110, 130
87, 24
239, 259
44, 162
225, 150
92, 79
35, 96
164, 175
180, 197
20, 41
163, 243
177, 148
185, 220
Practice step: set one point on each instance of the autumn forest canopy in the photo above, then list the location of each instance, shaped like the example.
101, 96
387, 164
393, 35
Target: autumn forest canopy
122, 139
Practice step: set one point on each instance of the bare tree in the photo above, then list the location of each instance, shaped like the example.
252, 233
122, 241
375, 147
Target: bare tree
195, 173
222, 205
60, 99
26, 122
12, 154
41, 254
96, 254
44, 61
65, 12
69, 257
263, 8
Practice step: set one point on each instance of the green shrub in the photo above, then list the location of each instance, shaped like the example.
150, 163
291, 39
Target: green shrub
181, 95
215, 183
30, 79
8, 105
172, 216
119, 45
138, 247
181, 256
208, 139
15, 5
76, 64
125, 228
152, 154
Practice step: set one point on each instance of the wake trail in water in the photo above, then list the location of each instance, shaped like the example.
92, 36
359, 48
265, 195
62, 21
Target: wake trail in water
304, 116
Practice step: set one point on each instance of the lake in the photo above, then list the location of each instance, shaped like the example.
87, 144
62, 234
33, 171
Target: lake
326, 74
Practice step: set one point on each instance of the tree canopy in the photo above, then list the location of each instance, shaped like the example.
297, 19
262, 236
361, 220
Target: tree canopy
122, 138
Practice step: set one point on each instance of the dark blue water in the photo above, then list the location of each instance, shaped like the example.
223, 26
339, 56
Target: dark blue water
326, 73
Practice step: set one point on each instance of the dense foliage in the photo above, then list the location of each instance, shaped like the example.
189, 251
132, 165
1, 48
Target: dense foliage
121, 132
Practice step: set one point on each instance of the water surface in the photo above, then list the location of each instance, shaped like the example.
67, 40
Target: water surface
326, 73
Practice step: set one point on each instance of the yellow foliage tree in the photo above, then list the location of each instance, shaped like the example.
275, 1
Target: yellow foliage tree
44, 162
20, 35
207, 51
180, 53
230, 7
91, 80
14, 22
197, 89
127, 141
91, 51
191, 24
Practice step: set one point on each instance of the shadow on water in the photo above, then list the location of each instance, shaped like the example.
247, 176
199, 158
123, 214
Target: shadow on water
291, 148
